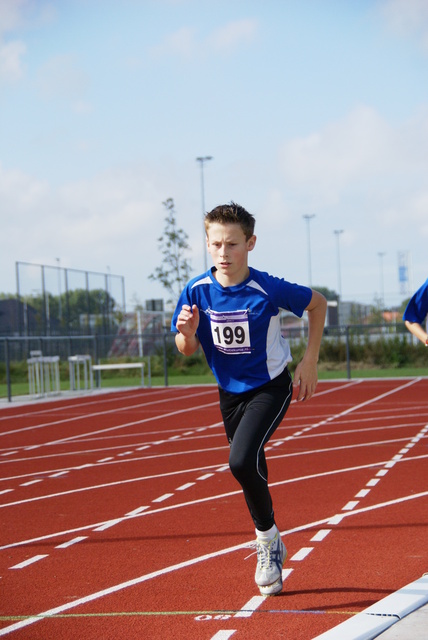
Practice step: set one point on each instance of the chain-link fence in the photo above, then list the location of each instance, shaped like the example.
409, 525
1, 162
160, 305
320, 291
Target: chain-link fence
23, 360
343, 350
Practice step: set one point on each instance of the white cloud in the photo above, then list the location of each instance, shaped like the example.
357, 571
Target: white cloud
362, 148
185, 42
11, 14
19, 15
11, 60
407, 18
233, 35
182, 43
20, 193
61, 77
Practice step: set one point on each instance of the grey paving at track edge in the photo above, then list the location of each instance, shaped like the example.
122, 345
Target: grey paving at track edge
402, 615
412, 627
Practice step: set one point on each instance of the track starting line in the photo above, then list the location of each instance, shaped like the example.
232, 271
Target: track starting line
230, 612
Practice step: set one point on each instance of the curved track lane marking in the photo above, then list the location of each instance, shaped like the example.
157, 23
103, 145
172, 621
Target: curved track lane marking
182, 565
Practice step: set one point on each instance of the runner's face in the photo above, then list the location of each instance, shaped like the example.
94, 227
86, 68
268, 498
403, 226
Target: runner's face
229, 249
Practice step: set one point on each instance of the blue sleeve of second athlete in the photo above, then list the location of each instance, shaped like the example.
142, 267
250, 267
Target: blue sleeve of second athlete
417, 307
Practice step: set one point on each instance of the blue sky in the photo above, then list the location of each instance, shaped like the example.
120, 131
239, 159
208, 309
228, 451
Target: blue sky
308, 107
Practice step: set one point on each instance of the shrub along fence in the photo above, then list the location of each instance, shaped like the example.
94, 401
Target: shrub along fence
343, 348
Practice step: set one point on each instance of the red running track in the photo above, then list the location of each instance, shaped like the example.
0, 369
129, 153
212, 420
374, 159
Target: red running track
120, 518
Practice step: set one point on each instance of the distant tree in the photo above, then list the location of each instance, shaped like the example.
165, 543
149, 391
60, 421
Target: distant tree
377, 308
328, 294
77, 306
175, 269
403, 305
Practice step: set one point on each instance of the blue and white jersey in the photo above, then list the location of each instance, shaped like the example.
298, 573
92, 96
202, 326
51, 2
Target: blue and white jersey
239, 327
417, 307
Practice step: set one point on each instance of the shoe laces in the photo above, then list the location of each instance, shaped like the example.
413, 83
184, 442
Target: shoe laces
264, 557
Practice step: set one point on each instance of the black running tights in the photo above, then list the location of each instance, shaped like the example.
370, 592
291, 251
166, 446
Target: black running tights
250, 419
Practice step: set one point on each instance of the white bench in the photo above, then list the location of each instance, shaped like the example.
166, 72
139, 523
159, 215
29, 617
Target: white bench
124, 365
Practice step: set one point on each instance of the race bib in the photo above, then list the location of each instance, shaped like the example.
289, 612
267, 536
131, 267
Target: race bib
230, 331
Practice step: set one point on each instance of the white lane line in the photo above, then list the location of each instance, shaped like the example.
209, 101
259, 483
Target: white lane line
249, 608
362, 494
65, 545
182, 565
223, 635
390, 464
27, 484
191, 470
76, 437
328, 520
29, 561
301, 554
372, 483
286, 573
350, 505
58, 474
206, 476
109, 524
136, 511
164, 497
186, 486
336, 519
5, 491
322, 533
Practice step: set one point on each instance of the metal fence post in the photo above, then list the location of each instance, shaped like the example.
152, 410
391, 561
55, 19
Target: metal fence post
8, 382
348, 357
165, 359
97, 359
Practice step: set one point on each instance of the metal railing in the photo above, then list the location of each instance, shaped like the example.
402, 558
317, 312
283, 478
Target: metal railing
99, 347
343, 345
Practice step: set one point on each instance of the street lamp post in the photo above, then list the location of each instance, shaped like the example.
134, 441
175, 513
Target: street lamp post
338, 233
59, 289
202, 160
308, 219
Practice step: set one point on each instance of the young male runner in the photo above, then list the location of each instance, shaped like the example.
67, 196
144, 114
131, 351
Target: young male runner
233, 312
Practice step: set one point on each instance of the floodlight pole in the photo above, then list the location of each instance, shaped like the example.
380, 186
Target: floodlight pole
202, 160
59, 290
338, 233
308, 219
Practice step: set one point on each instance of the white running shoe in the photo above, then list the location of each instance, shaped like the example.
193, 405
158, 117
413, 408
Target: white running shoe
270, 559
